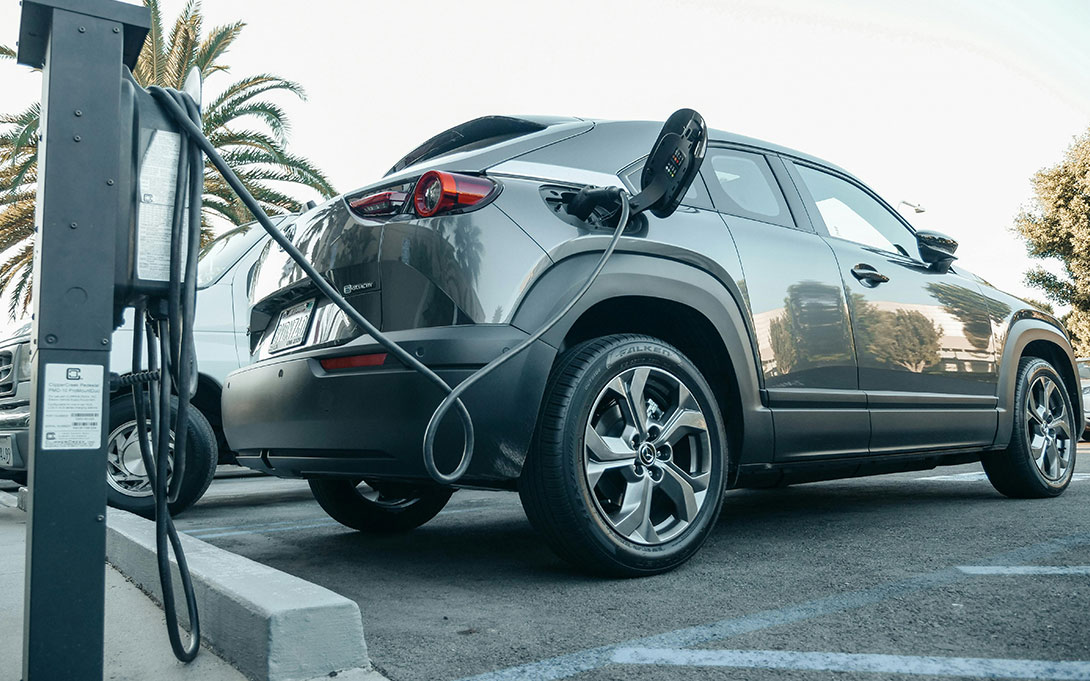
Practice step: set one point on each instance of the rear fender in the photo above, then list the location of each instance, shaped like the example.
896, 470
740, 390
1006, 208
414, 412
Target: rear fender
630, 274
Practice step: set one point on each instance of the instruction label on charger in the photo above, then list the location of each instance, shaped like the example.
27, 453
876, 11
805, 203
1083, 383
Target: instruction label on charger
158, 180
72, 406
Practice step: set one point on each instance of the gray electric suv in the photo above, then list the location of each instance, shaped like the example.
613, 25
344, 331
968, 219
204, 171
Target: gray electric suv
784, 325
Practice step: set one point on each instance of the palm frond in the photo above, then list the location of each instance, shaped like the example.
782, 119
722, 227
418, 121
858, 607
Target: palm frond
182, 45
244, 122
215, 45
224, 139
248, 88
17, 271
270, 114
152, 61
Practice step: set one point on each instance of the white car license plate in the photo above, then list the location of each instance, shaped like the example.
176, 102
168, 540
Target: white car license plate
7, 451
291, 327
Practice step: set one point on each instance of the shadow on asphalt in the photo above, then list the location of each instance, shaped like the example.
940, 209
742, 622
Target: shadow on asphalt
499, 540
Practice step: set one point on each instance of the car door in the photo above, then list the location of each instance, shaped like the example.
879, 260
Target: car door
796, 302
922, 336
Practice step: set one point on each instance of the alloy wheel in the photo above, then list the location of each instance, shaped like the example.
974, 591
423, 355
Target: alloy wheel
647, 455
1048, 430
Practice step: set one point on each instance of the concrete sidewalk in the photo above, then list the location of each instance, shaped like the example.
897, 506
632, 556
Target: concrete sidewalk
136, 646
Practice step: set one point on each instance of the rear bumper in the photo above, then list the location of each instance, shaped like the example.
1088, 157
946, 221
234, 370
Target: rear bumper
290, 417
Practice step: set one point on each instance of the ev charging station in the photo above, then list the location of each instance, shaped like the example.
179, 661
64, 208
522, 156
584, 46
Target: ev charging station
80, 45
99, 248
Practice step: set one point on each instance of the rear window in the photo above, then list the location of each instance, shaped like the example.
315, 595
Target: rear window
476, 134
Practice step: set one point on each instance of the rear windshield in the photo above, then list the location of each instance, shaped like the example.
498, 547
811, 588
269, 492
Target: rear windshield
476, 134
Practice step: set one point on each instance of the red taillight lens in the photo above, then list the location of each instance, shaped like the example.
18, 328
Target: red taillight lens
381, 203
353, 361
438, 192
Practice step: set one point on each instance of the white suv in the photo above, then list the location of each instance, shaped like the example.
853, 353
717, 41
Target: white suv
223, 276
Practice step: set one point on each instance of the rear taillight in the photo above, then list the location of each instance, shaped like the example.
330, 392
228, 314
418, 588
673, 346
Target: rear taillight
437, 192
379, 203
354, 361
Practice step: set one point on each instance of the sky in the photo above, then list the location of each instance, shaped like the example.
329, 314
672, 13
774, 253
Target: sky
952, 105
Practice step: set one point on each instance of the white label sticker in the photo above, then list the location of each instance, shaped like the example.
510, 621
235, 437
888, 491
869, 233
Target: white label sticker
72, 407
158, 174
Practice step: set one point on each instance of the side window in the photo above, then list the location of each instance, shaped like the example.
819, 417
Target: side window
742, 184
851, 213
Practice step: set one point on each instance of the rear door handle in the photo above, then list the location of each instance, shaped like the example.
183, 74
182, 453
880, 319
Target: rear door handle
868, 275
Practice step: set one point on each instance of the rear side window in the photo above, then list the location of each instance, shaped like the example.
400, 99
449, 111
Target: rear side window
742, 184
696, 196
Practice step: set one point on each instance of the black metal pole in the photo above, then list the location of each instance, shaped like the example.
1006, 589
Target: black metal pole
80, 46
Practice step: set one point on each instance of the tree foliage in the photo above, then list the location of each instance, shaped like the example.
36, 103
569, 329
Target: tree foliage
1057, 225
243, 122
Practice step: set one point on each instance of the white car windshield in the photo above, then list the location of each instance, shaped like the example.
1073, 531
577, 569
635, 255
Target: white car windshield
225, 250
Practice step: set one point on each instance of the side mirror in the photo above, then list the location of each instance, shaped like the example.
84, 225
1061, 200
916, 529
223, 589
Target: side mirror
936, 249
673, 164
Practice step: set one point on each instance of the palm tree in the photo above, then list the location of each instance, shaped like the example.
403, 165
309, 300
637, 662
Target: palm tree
248, 129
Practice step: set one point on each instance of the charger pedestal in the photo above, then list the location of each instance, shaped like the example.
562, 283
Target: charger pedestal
80, 45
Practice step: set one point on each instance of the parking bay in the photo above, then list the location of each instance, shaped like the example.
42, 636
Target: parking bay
929, 574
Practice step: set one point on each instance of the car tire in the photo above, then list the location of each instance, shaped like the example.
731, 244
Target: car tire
124, 465
601, 507
377, 507
1040, 458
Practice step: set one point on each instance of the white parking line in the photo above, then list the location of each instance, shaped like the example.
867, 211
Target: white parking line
200, 530
848, 662
570, 664
980, 476
290, 528
1025, 569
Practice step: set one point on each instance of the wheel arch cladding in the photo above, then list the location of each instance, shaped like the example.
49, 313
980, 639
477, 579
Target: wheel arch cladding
643, 294
1034, 338
680, 326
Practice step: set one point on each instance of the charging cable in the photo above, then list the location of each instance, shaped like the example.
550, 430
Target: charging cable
452, 396
168, 325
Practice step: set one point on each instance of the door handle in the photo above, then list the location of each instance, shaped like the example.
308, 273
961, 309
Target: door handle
868, 275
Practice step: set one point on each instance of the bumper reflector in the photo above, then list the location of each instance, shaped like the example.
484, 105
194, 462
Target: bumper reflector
353, 361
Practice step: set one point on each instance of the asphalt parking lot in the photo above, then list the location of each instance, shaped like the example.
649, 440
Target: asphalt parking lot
868, 578
918, 575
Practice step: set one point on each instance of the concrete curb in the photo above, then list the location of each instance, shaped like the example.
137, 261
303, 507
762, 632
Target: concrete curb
270, 625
